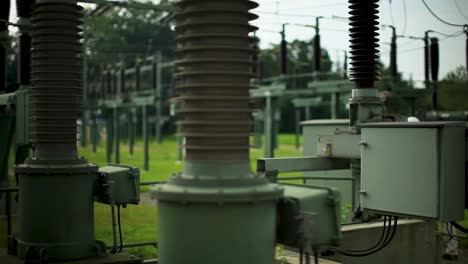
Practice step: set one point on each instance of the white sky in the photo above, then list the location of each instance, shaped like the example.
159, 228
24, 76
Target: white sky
334, 36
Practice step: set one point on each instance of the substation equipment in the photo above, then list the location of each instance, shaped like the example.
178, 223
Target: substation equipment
327, 92
116, 102
217, 210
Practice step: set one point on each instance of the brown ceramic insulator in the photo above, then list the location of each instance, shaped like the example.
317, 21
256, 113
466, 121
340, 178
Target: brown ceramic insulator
216, 60
56, 77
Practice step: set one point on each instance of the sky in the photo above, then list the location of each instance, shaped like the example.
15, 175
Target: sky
334, 35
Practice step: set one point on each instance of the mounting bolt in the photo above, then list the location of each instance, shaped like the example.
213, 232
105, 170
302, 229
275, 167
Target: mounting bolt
363, 143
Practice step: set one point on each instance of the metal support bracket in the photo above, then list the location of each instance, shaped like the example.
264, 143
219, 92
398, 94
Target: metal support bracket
340, 146
271, 167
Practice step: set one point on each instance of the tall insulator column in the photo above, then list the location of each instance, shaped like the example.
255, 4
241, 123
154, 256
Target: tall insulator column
217, 65
56, 78
365, 106
434, 60
216, 197
393, 55
24, 10
426, 60
364, 40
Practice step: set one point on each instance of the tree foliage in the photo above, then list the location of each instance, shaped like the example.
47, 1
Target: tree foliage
125, 34
299, 59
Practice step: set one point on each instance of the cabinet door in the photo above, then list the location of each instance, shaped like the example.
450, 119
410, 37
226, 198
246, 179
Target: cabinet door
399, 171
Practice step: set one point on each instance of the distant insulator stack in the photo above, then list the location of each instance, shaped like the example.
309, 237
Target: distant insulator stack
216, 60
364, 42
4, 14
56, 78
24, 8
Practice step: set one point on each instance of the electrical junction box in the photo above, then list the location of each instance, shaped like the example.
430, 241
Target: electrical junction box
309, 216
118, 184
414, 169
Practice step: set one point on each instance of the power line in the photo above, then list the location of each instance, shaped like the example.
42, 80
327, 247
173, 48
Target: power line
447, 36
406, 17
455, 34
440, 19
316, 6
460, 10
390, 10
284, 14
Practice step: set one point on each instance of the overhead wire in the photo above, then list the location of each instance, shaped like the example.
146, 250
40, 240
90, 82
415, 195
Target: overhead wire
390, 9
446, 36
440, 19
460, 10
317, 6
405, 13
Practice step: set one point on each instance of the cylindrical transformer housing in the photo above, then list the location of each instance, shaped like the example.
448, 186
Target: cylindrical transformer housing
216, 211
56, 214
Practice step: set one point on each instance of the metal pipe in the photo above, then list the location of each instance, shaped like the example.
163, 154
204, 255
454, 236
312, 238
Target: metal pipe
114, 229
116, 129
158, 88
9, 189
4, 16
110, 134
138, 244
316, 178
393, 54
269, 120
283, 52
94, 129
317, 47
151, 183
434, 55
8, 212
146, 137
297, 115
426, 59
132, 130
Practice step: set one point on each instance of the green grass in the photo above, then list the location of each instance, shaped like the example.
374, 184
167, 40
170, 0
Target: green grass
138, 225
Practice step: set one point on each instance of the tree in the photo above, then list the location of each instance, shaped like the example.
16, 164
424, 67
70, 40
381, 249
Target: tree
124, 34
453, 90
299, 59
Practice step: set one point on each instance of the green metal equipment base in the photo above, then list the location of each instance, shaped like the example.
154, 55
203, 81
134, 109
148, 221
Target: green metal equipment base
121, 258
